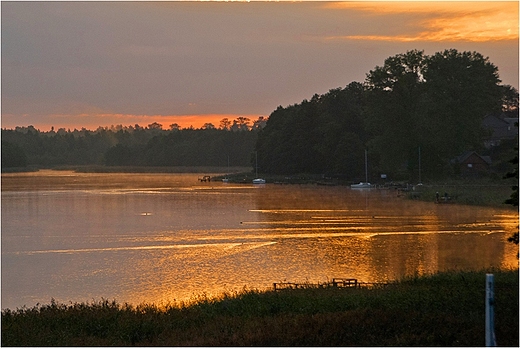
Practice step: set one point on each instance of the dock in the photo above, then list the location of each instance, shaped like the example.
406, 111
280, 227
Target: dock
335, 283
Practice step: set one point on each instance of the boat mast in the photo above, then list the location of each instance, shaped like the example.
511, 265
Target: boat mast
366, 167
256, 164
420, 165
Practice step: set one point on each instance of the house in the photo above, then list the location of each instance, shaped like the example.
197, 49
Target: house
471, 163
500, 128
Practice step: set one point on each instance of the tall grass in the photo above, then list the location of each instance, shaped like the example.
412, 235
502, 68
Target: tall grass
445, 309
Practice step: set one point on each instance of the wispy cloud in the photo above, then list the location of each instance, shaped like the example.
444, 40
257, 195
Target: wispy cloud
437, 21
87, 64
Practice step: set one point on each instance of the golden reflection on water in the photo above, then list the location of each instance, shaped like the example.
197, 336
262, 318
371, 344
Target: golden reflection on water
166, 237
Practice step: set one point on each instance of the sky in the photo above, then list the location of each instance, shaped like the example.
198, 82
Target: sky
89, 64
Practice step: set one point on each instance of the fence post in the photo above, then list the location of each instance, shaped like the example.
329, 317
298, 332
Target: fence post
490, 311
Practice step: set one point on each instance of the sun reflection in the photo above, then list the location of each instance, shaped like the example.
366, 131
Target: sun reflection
435, 234
211, 241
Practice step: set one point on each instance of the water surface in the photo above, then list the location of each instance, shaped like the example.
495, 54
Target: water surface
160, 238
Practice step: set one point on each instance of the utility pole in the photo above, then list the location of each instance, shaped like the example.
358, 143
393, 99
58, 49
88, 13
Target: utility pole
490, 311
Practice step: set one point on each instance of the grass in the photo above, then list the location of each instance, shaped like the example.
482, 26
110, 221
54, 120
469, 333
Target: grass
445, 309
478, 192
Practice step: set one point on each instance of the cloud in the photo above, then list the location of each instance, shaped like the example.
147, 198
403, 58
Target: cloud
89, 60
439, 21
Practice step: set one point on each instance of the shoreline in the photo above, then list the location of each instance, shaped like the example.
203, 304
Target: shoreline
486, 192
441, 309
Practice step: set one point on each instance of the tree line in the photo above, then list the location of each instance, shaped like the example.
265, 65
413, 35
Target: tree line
412, 103
230, 144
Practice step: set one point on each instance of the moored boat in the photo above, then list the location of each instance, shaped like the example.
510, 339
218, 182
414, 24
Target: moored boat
257, 180
366, 184
362, 185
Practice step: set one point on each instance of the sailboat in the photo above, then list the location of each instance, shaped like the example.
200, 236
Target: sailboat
257, 180
226, 179
366, 184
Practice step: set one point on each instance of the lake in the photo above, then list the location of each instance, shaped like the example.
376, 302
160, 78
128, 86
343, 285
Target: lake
160, 238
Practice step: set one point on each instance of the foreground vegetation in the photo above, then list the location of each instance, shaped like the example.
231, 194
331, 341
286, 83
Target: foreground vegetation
446, 309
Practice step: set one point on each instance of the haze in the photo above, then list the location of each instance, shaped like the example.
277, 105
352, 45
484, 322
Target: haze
90, 64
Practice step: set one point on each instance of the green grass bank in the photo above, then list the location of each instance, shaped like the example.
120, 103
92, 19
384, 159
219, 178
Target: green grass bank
481, 192
444, 309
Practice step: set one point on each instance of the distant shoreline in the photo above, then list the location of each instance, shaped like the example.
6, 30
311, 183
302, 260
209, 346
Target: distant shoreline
133, 169
476, 191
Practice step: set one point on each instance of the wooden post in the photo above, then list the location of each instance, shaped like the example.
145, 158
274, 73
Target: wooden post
490, 311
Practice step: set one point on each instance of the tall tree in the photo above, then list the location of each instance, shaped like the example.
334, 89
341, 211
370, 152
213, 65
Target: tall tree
395, 104
323, 135
225, 124
241, 123
462, 88
510, 100
435, 103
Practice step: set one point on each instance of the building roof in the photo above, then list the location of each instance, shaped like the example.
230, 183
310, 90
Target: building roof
502, 128
464, 157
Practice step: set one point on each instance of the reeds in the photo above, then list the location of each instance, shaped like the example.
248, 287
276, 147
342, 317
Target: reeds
445, 309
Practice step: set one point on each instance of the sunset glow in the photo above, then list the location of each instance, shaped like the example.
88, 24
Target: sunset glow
64, 65
434, 21
93, 121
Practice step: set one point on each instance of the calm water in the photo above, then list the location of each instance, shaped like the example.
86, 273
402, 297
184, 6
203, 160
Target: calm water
166, 237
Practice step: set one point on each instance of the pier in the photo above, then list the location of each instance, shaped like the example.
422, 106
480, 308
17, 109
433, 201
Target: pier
335, 283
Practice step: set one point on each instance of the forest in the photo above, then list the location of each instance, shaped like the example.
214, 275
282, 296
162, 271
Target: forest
229, 145
414, 103
414, 112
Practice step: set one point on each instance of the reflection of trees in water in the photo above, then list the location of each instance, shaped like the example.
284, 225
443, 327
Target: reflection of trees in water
375, 236
475, 251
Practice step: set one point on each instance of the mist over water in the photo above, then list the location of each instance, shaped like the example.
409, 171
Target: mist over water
167, 237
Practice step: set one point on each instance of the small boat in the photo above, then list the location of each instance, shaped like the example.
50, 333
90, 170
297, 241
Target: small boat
257, 180
362, 185
226, 179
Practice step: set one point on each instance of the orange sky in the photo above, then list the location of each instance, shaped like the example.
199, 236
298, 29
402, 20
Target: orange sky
93, 121
435, 21
88, 64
